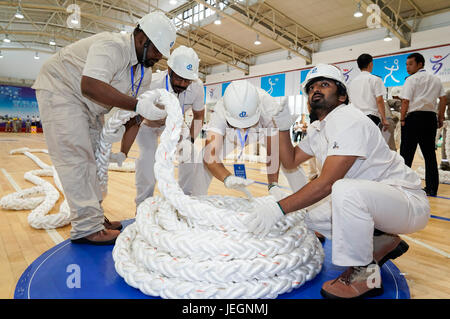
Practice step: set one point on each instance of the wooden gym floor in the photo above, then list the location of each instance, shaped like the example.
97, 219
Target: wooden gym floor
425, 266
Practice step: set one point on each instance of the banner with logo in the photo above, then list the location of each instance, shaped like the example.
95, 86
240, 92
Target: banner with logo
275, 85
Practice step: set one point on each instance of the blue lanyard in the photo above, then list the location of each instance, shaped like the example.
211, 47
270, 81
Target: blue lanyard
242, 141
132, 80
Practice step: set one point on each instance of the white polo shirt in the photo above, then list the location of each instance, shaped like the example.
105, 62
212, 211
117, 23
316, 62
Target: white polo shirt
193, 97
106, 56
422, 89
218, 124
347, 131
363, 92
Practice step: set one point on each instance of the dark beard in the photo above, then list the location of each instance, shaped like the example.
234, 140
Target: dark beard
178, 89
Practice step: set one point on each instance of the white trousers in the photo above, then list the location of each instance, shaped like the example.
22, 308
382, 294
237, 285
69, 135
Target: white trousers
72, 132
147, 140
202, 178
355, 207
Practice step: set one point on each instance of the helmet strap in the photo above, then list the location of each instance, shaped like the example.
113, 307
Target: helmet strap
144, 55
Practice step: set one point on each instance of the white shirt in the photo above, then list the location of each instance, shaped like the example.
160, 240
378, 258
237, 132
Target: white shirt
364, 90
347, 131
422, 89
106, 56
193, 97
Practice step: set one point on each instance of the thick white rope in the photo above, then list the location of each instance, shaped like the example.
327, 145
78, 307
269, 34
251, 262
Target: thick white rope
26, 199
199, 247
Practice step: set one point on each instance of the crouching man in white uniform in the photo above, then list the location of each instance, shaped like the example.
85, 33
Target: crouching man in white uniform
181, 79
370, 188
241, 118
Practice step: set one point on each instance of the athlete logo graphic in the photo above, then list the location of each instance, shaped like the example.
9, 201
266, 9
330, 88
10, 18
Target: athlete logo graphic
437, 62
346, 74
393, 68
272, 84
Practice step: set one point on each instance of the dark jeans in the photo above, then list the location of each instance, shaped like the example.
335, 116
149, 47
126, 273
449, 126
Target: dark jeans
420, 128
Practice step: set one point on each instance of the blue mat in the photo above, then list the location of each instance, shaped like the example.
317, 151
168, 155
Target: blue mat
54, 276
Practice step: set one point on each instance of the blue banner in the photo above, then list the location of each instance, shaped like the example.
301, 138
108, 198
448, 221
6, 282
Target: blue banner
224, 87
274, 84
303, 74
391, 69
17, 102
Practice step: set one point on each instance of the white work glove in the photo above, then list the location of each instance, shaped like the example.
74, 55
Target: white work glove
146, 106
277, 192
284, 119
118, 158
264, 217
116, 136
238, 183
184, 150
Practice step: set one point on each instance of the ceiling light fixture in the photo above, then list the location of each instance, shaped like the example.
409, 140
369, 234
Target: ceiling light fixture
1, 55
358, 13
52, 42
6, 39
36, 56
173, 1
257, 42
388, 37
19, 14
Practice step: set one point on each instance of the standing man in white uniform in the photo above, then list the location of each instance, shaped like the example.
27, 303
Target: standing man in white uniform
240, 117
75, 88
366, 92
445, 165
418, 118
369, 185
181, 79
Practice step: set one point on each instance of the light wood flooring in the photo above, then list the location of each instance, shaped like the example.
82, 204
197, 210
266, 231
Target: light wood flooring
426, 265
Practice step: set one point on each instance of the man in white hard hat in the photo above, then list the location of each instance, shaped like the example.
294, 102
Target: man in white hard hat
75, 88
181, 79
366, 92
445, 165
373, 195
420, 117
239, 119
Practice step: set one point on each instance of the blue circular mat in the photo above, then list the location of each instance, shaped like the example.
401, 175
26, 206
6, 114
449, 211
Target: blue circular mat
74, 271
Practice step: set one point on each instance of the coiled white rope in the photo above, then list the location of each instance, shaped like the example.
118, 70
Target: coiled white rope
41, 205
199, 247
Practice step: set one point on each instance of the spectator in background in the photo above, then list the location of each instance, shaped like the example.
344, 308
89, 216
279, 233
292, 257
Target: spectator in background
366, 92
418, 118
445, 166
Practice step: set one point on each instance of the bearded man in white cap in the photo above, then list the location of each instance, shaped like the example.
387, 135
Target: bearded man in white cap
373, 195
75, 88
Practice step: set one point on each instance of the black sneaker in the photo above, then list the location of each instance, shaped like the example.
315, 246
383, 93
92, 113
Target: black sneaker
430, 192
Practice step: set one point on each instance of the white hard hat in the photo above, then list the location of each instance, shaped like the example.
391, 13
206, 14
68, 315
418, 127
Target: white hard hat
241, 104
160, 30
323, 70
184, 62
395, 91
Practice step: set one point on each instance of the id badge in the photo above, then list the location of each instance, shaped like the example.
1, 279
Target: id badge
239, 170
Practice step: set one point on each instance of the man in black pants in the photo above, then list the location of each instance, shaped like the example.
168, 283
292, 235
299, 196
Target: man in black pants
418, 118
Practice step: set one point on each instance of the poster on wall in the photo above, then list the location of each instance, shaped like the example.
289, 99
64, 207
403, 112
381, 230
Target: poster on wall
17, 102
275, 84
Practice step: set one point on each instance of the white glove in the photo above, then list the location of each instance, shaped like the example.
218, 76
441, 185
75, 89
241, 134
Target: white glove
284, 119
118, 158
264, 217
238, 183
278, 193
184, 150
146, 106
116, 136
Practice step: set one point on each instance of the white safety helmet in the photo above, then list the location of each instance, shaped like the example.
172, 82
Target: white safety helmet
323, 70
241, 104
395, 91
184, 62
160, 30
